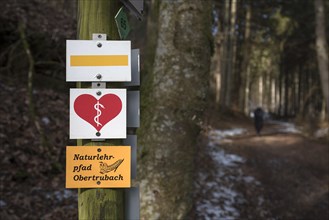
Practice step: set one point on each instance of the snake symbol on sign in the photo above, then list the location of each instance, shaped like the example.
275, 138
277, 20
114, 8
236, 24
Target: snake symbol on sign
99, 113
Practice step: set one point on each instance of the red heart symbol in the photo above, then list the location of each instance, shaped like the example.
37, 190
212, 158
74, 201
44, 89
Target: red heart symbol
97, 112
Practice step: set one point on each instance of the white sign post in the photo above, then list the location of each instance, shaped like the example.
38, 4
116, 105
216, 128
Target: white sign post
98, 113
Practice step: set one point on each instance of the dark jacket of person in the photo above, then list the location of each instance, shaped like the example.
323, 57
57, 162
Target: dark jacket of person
259, 119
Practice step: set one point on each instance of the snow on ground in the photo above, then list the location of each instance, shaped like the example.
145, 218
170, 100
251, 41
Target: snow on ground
218, 198
287, 127
62, 195
322, 132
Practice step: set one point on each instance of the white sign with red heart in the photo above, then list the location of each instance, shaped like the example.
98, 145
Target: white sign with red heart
98, 113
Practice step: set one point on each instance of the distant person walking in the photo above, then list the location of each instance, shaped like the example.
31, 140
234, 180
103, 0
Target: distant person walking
259, 118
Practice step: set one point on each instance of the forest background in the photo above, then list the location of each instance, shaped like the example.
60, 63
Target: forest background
221, 58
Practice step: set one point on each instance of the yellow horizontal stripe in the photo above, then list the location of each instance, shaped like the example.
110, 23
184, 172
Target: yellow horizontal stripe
99, 60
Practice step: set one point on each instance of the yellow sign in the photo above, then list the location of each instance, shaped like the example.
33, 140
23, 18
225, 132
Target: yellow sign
99, 60
98, 166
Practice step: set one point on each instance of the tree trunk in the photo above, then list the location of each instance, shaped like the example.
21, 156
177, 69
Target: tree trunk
280, 88
322, 49
260, 90
180, 82
245, 60
215, 80
247, 97
217, 66
299, 92
98, 17
224, 55
231, 55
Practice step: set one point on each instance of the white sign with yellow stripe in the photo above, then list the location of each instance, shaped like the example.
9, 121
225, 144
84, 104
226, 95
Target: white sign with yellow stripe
98, 61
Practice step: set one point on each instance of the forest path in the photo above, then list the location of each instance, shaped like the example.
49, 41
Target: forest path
277, 175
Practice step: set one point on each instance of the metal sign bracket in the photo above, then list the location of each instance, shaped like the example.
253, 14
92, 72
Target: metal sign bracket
99, 85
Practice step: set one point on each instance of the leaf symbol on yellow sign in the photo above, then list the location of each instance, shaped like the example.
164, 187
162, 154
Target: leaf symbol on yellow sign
104, 168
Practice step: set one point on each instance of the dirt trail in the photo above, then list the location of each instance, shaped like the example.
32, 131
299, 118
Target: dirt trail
293, 170
291, 175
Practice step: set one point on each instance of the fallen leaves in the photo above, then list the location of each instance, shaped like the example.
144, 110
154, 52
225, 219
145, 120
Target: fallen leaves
33, 156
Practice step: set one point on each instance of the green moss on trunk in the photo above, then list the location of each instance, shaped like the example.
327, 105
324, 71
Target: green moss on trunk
98, 17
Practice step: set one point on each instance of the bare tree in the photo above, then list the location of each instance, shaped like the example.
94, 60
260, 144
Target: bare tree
179, 87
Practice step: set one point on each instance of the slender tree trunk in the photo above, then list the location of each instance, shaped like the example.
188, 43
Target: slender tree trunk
217, 74
216, 62
260, 90
247, 92
181, 73
236, 62
295, 93
231, 54
273, 95
98, 17
322, 49
286, 91
267, 93
224, 54
280, 88
299, 92
245, 59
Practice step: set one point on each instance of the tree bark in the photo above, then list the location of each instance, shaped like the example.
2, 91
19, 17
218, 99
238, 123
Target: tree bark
97, 17
180, 82
322, 49
245, 62
224, 55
